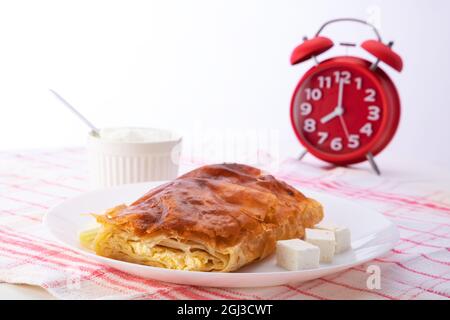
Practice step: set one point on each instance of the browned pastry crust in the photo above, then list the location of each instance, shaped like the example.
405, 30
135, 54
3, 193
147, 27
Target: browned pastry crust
233, 212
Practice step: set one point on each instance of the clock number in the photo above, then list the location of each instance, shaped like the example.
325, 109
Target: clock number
370, 95
344, 75
353, 141
324, 82
305, 108
313, 94
336, 144
358, 81
366, 129
374, 113
309, 125
323, 136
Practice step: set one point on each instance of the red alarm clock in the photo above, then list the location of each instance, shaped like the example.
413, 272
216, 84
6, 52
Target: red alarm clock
345, 110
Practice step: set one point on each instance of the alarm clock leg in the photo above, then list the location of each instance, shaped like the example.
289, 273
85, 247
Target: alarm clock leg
372, 162
302, 155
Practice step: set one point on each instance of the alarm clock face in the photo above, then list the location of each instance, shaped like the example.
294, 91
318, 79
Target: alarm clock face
340, 111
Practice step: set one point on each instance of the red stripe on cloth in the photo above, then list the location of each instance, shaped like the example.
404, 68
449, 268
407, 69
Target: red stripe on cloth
339, 275
189, 292
105, 275
308, 294
349, 191
241, 294
444, 294
25, 202
397, 217
162, 292
347, 286
412, 201
422, 290
47, 182
130, 292
180, 289
308, 285
29, 158
422, 244
401, 265
18, 187
422, 255
215, 292
233, 294
58, 184
435, 260
25, 216
166, 293
446, 236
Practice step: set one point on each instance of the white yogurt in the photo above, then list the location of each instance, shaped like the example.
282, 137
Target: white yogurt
130, 155
134, 135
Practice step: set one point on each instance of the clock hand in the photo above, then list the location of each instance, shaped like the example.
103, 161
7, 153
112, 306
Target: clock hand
341, 93
329, 116
340, 101
344, 126
338, 111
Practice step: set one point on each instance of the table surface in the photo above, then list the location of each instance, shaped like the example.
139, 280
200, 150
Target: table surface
399, 168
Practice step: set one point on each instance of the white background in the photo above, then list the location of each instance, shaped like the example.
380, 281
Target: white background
180, 64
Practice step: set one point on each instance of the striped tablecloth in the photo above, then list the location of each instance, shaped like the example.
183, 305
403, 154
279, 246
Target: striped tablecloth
32, 182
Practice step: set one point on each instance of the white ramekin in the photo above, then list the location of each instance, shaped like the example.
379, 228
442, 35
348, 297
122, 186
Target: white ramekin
114, 163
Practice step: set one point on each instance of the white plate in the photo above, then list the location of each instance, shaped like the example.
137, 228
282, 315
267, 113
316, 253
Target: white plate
372, 236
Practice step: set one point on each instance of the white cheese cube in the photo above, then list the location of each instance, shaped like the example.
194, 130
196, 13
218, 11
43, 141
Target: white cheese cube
341, 234
296, 254
324, 240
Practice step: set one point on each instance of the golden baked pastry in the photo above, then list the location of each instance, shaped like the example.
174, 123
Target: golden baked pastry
215, 218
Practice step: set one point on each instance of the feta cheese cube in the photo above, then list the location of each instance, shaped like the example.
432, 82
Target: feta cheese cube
296, 254
341, 234
324, 240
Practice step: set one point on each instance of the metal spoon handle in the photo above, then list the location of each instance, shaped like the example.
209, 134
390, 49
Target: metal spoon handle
76, 112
